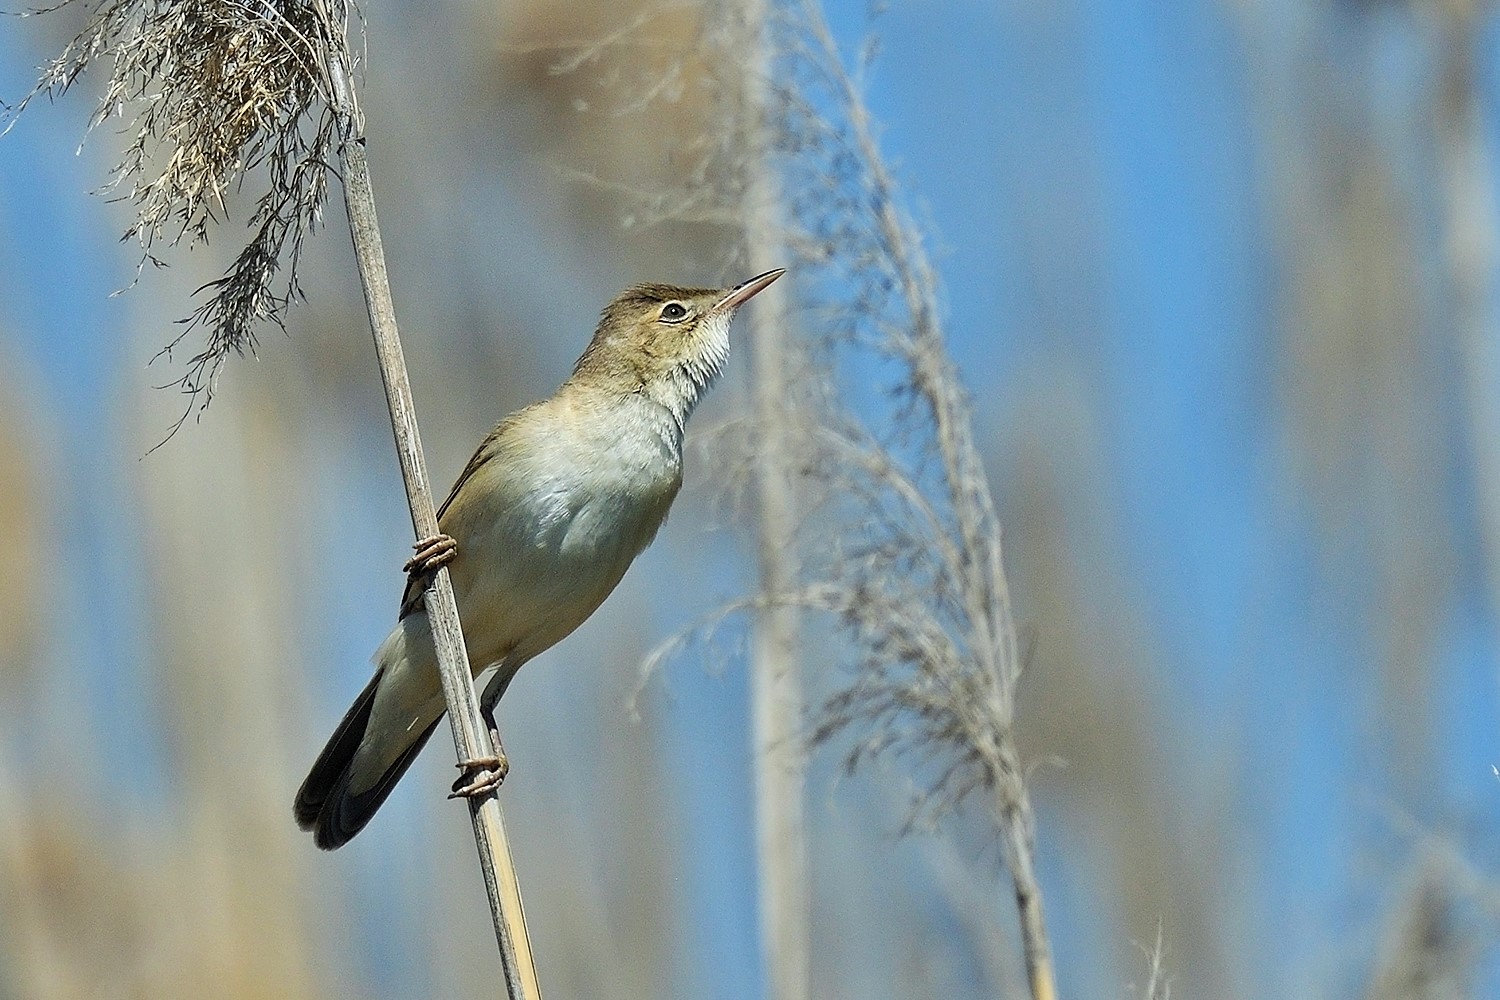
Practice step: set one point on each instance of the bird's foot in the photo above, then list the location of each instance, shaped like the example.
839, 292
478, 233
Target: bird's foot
431, 553
481, 775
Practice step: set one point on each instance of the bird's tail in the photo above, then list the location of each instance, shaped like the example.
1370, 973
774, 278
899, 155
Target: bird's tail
327, 804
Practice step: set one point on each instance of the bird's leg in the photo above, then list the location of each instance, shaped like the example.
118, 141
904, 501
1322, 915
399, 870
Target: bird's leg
482, 774
432, 552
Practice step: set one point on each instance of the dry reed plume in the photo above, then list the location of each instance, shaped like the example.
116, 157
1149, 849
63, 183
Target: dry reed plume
210, 92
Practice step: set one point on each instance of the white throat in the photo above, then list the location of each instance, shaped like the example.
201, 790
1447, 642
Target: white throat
680, 391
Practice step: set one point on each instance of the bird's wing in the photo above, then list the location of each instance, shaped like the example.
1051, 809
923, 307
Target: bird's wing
411, 598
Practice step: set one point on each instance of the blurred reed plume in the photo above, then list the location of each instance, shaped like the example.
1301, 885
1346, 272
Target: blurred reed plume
211, 92
1430, 949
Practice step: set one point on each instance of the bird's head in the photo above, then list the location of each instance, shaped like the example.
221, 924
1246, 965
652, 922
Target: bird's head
665, 341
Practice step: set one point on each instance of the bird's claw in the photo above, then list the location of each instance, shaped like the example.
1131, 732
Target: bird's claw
432, 553
481, 775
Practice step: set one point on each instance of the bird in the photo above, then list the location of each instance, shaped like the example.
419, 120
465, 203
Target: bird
541, 525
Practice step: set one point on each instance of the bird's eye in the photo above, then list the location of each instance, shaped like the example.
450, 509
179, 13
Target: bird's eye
673, 312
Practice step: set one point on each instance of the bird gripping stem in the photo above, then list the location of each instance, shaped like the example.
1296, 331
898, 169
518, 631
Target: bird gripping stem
470, 734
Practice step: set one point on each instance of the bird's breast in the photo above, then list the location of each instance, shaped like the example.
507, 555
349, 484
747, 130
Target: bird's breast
566, 517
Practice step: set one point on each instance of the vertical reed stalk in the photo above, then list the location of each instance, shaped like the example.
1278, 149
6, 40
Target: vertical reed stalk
776, 683
470, 735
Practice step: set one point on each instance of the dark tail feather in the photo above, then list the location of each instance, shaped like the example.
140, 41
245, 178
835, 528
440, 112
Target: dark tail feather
324, 803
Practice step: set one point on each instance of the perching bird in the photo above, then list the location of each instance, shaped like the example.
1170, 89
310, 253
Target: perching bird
540, 527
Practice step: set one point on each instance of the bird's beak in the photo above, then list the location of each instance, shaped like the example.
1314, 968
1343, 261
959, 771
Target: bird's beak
745, 290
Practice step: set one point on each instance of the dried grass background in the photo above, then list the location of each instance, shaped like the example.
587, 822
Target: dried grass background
1290, 784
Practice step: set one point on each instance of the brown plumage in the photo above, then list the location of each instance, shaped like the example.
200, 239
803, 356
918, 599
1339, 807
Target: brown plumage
547, 516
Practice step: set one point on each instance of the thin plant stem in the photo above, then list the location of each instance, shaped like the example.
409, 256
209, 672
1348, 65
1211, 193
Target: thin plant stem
470, 735
776, 683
